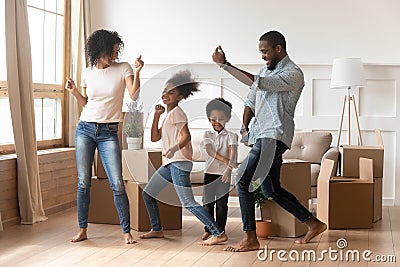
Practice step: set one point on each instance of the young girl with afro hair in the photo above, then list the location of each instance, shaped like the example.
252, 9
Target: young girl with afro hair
177, 149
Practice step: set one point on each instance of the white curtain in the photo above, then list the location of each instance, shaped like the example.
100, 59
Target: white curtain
80, 28
19, 79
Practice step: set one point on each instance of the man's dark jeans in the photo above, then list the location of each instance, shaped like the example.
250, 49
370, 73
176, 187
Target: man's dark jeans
264, 161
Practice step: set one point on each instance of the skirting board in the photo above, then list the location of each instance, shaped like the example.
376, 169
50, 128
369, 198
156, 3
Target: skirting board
386, 201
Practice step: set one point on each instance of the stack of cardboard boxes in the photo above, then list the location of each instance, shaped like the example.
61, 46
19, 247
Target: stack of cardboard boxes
295, 178
354, 199
137, 168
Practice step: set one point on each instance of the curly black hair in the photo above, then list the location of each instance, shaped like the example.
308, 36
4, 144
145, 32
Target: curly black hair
219, 104
185, 83
101, 43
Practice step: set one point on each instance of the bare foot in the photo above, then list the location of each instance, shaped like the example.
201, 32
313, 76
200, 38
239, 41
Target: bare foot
82, 235
129, 239
152, 234
244, 245
214, 240
315, 227
205, 236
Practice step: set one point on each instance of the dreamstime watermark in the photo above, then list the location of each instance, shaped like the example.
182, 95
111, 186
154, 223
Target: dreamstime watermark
341, 254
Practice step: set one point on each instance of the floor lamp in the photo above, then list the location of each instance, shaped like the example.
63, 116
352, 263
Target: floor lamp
348, 73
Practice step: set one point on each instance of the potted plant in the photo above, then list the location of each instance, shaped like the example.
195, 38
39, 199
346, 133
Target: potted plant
263, 226
133, 125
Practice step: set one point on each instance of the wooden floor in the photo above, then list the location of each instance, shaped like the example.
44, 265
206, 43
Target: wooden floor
47, 244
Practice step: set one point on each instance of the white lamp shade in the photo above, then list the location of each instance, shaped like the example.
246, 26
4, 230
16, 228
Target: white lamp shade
347, 72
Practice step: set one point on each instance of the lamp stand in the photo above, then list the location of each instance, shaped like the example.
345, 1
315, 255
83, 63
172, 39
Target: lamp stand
349, 99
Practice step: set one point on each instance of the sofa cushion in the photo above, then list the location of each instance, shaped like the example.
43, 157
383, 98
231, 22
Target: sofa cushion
309, 146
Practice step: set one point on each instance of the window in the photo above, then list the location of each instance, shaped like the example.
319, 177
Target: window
46, 23
46, 28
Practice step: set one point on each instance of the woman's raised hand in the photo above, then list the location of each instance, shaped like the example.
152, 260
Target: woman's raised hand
70, 85
139, 63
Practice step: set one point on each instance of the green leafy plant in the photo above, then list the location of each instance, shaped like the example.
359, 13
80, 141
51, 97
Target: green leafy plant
133, 122
259, 197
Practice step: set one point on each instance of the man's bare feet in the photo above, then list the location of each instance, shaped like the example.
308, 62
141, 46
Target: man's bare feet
129, 239
82, 235
152, 234
205, 236
315, 227
248, 243
243, 246
214, 240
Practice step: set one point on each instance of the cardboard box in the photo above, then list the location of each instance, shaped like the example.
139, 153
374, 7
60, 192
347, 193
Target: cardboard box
351, 154
283, 224
377, 214
296, 178
99, 171
345, 203
140, 165
102, 208
171, 215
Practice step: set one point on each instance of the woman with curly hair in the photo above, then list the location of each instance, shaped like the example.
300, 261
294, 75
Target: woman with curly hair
103, 84
177, 149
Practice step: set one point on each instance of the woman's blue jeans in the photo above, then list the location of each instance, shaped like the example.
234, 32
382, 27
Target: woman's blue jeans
178, 174
104, 137
264, 162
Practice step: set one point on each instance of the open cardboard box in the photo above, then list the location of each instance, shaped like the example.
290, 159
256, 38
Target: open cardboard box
350, 155
345, 203
140, 165
377, 199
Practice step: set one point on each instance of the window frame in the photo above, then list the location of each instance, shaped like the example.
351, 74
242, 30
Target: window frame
51, 91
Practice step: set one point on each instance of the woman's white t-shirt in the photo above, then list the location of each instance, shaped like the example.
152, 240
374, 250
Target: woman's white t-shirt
170, 135
105, 91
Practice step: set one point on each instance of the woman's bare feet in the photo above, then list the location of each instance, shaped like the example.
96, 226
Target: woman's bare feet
129, 239
152, 234
315, 227
205, 236
82, 235
248, 243
214, 240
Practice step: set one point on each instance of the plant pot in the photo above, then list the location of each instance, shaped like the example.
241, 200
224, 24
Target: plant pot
263, 228
134, 142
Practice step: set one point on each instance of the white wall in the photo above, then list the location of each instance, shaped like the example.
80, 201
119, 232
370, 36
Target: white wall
317, 31
318, 109
173, 32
